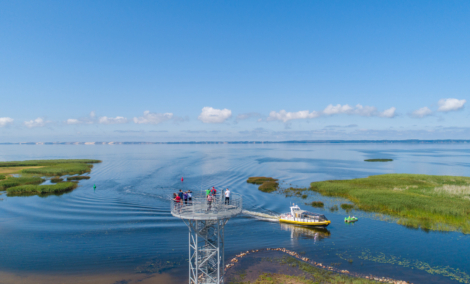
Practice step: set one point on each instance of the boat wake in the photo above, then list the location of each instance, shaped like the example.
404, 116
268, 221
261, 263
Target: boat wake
263, 216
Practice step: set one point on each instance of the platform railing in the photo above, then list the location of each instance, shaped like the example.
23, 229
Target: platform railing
200, 206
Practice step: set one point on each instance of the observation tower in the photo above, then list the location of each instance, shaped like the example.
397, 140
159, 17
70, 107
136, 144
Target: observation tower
206, 222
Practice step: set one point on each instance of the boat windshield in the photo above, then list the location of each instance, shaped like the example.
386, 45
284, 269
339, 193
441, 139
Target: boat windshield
314, 215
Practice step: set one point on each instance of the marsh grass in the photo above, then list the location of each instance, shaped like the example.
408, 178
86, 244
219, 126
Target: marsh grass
317, 204
428, 202
41, 189
31, 163
378, 160
267, 184
77, 178
334, 208
32, 172
16, 181
2, 177
56, 179
60, 169
346, 206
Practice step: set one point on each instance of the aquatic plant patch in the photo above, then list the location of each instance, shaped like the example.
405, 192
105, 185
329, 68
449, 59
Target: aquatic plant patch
452, 273
56, 179
317, 204
42, 189
267, 184
33, 171
419, 201
78, 178
16, 181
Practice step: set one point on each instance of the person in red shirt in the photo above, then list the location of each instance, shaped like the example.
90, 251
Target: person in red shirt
177, 200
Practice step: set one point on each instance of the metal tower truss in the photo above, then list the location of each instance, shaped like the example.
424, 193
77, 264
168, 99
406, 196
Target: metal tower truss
206, 218
206, 251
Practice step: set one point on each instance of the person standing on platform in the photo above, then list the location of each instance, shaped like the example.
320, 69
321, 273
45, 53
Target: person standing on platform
190, 196
227, 196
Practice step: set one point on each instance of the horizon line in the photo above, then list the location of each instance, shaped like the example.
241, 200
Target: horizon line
428, 141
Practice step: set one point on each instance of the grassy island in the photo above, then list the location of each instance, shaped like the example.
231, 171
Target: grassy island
378, 160
31, 174
429, 202
267, 184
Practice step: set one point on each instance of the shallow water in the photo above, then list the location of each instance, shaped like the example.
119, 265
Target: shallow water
125, 224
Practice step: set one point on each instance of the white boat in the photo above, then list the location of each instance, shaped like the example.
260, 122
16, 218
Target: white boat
301, 217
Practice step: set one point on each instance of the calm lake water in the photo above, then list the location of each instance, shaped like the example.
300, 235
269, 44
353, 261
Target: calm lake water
124, 228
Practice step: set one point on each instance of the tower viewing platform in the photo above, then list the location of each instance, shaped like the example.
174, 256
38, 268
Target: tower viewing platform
201, 209
206, 221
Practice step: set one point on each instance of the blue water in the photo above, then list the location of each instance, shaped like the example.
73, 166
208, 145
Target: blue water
126, 222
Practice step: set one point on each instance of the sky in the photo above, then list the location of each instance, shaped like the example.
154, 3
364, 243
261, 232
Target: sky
234, 70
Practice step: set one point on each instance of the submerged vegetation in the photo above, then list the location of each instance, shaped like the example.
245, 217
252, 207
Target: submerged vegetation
418, 201
78, 178
267, 184
378, 160
32, 172
317, 204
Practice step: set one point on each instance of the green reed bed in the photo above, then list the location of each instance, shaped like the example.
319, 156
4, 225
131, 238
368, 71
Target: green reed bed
34, 163
42, 189
420, 201
77, 178
2, 177
32, 172
60, 169
267, 184
317, 204
57, 179
16, 181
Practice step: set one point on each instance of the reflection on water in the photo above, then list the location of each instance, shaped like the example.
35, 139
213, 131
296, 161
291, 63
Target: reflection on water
313, 233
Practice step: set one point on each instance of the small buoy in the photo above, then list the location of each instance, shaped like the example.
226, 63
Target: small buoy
94, 186
182, 179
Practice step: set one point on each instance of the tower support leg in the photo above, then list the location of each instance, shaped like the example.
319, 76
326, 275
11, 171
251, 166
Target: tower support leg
206, 251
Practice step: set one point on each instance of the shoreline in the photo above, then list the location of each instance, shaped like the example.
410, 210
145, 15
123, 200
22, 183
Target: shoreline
297, 256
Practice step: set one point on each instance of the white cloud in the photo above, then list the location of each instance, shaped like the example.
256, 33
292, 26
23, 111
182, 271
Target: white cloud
422, 112
331, 109
38, 122
153, 118
213, 115
73, 121
358, 110
365, 110
111, 120
4, 121
388, 112
286, 116
92, 114
450, 104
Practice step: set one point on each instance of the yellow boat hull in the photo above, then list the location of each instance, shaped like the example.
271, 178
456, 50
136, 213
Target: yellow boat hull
324, 223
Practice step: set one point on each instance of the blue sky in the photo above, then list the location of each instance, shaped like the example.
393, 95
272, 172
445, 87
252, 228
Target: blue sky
234, 70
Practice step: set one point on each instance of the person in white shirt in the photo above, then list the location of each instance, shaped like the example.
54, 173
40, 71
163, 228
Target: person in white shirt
227, 196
